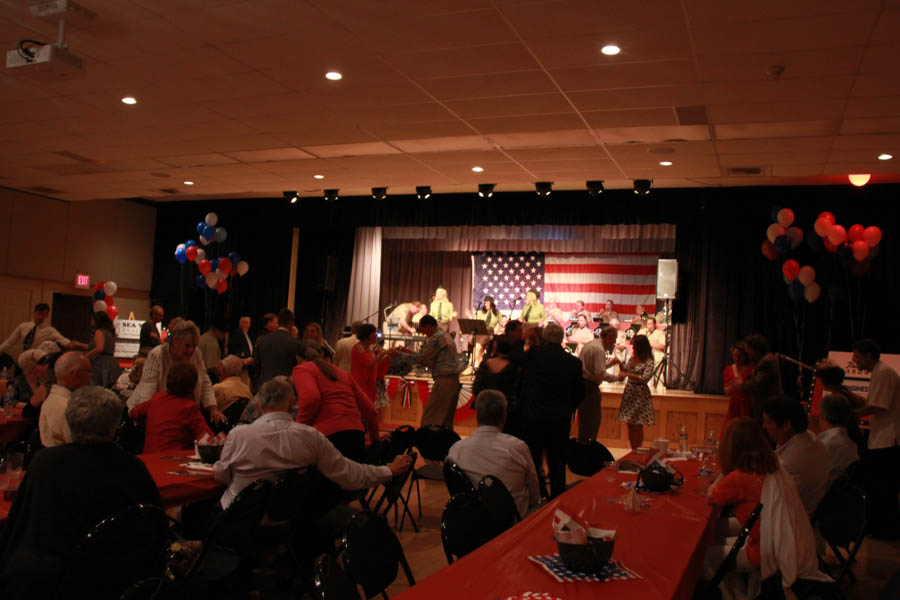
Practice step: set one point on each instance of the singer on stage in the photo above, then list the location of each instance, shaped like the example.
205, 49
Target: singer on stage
442, 309
491, 317
533, 311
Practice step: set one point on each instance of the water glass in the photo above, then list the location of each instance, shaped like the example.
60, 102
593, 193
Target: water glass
14, 462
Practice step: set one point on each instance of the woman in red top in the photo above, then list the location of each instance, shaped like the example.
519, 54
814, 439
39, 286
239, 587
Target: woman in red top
330, 400
745, 457
366, 364
734, 375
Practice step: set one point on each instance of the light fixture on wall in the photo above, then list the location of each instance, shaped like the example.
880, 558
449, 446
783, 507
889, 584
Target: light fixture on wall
423, 192
859, 179
331, 195
642, 186
543, 188
379, 193
594, 188
486, 190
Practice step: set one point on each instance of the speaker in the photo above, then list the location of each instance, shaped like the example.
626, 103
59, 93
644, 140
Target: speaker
667, 278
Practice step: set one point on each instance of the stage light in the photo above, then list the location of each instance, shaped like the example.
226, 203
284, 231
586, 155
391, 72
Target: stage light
594, 188
543, 188
423, 192
379, 193
331, 195
486, 190
859, 179
291, 196
642, 186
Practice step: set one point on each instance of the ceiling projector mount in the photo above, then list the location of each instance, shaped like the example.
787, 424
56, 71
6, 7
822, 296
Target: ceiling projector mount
44, 62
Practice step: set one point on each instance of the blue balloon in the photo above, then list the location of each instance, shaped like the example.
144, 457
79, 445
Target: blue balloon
200, 227
234, 257
783, 244
99, 295
190, 243
180, 256
209, 233
201, 282
213, 265
836, 293
795, 290
814, 240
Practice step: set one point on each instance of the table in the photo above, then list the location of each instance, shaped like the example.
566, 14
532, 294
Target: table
12, 428
665, 544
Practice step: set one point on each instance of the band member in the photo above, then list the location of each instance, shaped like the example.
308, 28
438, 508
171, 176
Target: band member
533, 311
442, 309
400, 321
555, 313
491, 317
657, 339
581, 334
609, 312
640, 316
580, 310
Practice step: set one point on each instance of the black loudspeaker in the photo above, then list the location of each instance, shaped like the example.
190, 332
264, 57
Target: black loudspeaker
667, 278
327, 274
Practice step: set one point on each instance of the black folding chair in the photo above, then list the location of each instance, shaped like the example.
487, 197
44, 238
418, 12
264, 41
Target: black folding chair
121, 550
711, 591
372, 553
130, 435
842, 517
456, 479
499, 502
587, 459
433, 442
466, 524
381, 453
393, 493
235, 410
332, 583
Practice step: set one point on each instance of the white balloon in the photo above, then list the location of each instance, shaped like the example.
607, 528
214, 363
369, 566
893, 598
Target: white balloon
110, 288
211, 219
220, 274
221, 234
180, 247
242, 267
201, 255
204, 241
211, 279
99, 306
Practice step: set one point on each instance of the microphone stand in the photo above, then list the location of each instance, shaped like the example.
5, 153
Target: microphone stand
389, 306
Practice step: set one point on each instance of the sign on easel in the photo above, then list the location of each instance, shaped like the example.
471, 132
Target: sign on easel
128, 337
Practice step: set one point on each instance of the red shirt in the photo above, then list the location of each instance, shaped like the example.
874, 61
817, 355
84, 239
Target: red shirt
332, 406
742, 491
173, 423
365, 370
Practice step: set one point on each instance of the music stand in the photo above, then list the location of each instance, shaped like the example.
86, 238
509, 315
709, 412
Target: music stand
472, 326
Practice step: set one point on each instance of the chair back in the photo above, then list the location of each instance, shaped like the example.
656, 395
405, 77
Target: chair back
303, 493
728, 564
372, 552
235, 410
587, 459
393, 489
466, 524
499, 503
121, 550
434, 441
456, 479
403, 439
130, 435
842, 515
236, 525
332, 583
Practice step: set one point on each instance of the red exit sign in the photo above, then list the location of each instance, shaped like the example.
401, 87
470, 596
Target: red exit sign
83, 281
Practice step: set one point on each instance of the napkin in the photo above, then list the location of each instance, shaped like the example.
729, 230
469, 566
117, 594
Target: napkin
198, 466
554, 566
569, 528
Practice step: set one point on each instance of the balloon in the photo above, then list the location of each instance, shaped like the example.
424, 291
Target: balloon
200, 226
220, 275
822, 227
110, 288
774, 231
221, 234
828, 245
814, 241
204, 266
99, 285
837, 234
860, 250
783, 244
234, 257
209, 233
812, 292
179, 254
795, 291
827, 216
99, 306
211, 219
201, 255
836, 293
113, 312
99, 295
214, 264
855, 233
785, 217
190, 243
221, 286
191, 253
872, 236
225, 265
243, 267
796, 235
807, 275
109, 301
204, 241
790, 269
211, 280
201, 281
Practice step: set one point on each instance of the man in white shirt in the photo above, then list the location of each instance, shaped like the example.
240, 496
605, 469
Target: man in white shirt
274, 444
842, 451
802, 454
344, 347
594, 370
883, 409
488, 451
31, 334
72, 371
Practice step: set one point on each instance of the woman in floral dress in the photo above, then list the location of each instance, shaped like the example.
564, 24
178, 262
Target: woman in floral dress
637, 402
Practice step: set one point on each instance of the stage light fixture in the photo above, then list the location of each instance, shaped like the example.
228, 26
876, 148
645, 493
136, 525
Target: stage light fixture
291, 196
486, 190
331, 195
423, 192
594, 188
642, 186
543, 188
379, 193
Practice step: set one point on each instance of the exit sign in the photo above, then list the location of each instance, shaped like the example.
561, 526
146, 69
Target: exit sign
82, 281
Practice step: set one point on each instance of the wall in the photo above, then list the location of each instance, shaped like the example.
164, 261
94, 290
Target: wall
44, 242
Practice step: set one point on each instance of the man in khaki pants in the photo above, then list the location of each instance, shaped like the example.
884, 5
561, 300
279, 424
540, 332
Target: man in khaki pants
439, 354
594, 366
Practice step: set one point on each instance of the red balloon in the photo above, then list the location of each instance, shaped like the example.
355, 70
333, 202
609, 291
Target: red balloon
204, 266
221, 286
769, 250
790, 269
109, 300
837, 234
827, 216
191, 253
855, 233
225, 265
872, 236
99, 286
112, 311
829, 246
860, 250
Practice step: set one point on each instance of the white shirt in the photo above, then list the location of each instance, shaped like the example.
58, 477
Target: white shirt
343, 351
488, 451
593, 363
842, 451
884, 391
52, 424
43, 333
274, 444
153, 379
806, 460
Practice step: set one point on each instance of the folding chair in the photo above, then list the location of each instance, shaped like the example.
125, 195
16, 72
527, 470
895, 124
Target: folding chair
393, 492
433, 442
466, 524
499, 502
372, 554
842, 517
332, 583
711, 591
456, 479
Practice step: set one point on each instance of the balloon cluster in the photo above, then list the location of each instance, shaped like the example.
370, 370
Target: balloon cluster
782, 237
801, 281
857, 243
214, 273
103, 298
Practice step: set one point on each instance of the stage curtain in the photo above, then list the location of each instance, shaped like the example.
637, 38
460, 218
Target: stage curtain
365, 277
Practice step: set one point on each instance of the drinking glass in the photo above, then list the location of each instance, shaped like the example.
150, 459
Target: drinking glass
14, 462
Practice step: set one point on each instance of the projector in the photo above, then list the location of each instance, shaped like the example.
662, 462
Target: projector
50, 63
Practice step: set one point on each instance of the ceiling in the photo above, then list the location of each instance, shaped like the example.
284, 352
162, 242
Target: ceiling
232, 96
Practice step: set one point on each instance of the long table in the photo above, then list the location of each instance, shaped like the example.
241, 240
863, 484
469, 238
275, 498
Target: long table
12, 427
664, 544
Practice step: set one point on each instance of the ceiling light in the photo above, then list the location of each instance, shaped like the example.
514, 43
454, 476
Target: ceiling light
331, 195
665, 163
129, 100
423, 192
317, 176
379, 193
486, 190
543, 188
478, 169
885, 156
188, 183
642, 186
859, 179
610, 50
291, 197
333, 76
594, 188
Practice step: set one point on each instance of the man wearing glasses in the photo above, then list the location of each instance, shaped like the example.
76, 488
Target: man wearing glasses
73, 371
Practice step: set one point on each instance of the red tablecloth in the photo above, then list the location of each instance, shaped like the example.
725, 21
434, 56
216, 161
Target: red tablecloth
11, 429
664, 544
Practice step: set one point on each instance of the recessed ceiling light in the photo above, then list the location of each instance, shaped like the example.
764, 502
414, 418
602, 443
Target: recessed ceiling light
317, 176
665, 163
333, 75
129, 100
477, 169
188, 183
610, 50
885, 156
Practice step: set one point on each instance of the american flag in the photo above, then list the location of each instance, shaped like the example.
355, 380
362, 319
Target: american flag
506, 276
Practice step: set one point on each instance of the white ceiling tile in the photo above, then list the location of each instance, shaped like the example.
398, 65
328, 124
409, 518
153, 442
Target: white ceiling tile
786, 129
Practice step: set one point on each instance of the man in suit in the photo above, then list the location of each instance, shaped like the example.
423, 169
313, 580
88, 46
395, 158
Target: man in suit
276, 352
239, 342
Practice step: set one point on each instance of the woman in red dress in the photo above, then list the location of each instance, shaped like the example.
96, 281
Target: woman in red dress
734, 375
366, 363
